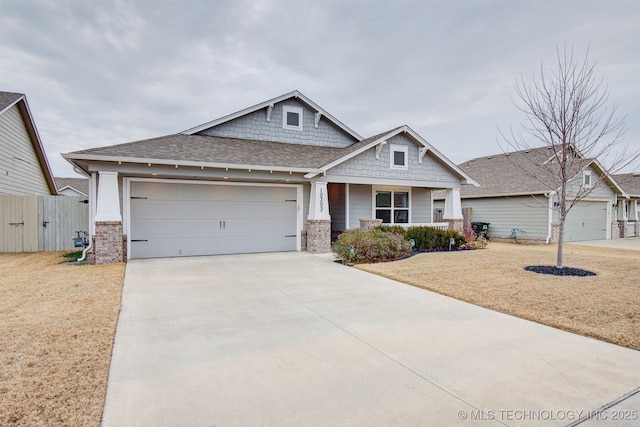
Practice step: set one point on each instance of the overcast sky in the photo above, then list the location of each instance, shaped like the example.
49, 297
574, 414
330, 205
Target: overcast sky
108, 71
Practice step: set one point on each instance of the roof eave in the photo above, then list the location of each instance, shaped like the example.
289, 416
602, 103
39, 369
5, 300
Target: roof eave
257, 107
23, 107
466, 179
71, 157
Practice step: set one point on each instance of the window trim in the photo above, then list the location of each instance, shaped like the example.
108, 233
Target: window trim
392, 190
291, 109
586, 174
398, 149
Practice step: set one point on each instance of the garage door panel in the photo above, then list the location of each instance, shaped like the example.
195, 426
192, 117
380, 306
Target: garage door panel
586, 221
179, 219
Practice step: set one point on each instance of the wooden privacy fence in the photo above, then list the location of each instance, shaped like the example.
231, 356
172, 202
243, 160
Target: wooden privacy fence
30, 223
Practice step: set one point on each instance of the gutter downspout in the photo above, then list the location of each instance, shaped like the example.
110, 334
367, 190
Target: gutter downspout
92, 198
550, 216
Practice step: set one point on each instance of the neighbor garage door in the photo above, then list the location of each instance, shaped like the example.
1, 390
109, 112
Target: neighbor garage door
179, 219
586, 221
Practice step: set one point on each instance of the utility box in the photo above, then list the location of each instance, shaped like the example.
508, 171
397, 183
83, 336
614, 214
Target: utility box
480, 228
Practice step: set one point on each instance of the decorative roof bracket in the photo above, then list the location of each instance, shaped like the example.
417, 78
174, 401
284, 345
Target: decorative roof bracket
379, 149
422, 152
269, 110
318, 116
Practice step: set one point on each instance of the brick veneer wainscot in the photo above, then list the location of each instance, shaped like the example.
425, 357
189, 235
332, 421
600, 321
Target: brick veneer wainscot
318, 236
108, 242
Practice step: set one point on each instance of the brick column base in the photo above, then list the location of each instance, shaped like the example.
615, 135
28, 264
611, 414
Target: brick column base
369, 223
318, 236
622, 227
456, 224
107, 244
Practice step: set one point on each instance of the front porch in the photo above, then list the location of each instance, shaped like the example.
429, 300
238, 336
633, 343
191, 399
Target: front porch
338, 207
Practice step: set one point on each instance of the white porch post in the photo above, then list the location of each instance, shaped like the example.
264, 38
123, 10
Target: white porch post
453, 209
319, 203
108, 208
108, 239
319, 220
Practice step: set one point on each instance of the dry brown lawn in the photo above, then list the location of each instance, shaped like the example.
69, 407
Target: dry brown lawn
57, 324
604, 306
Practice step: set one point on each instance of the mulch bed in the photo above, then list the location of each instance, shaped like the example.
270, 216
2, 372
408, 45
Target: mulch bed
555, 271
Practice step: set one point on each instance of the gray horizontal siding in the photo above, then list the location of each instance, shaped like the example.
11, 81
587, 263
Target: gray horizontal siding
256, 126
505, 213
421, 205
20, 171
360, 200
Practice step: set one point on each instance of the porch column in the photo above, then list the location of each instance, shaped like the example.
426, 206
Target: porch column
319, 220
108, 245
453, 209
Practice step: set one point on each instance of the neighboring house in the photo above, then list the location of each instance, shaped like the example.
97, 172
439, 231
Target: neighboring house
32, 217
519, 206
281, 175
627, 211
24, 168
72, 186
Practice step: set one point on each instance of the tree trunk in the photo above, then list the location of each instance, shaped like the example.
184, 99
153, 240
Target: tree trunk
559, 262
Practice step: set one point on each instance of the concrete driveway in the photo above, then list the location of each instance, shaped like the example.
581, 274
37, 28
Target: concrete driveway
294, 339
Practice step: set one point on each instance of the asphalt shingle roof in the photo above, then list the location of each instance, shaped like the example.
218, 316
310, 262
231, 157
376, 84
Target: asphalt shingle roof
8, 98
520, 172
630, 183
214, 149
225, 150
80, 184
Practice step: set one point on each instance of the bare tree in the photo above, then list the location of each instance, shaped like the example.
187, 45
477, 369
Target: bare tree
566, 111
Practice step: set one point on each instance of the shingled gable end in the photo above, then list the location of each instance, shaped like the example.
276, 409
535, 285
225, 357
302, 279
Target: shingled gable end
282, 175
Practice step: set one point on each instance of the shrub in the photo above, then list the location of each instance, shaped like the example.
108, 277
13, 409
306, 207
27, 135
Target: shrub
357, 246
473, 241
431, 238
398, 229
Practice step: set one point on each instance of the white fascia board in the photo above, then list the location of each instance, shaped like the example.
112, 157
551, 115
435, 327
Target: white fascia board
187, 163
265, 104
68, 187
441, 157
492, 196
381, 140
603, 172
12, 104
418, 138
38, 147
381, 181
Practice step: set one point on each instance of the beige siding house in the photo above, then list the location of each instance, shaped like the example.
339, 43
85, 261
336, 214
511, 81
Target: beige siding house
24, 168
32, 217
518, 205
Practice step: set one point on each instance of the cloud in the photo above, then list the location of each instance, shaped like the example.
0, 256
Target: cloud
114, 71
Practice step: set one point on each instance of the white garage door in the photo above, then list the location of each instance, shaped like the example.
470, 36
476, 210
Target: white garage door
586, 221
179, 219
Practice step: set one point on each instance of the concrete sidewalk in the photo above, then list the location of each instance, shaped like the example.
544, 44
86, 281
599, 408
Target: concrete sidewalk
628, 243
293, 339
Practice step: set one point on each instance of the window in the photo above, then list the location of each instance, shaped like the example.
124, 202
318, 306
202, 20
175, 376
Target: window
586, 179
399, 157
392, 207
291, 117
